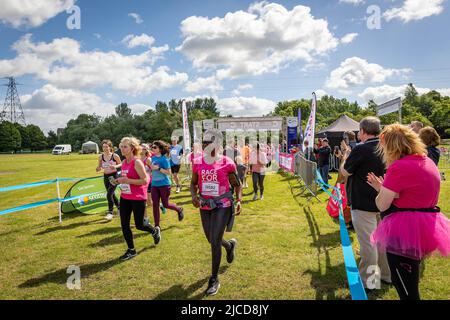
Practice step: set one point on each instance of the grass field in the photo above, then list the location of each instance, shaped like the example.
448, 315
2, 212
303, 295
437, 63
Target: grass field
288, 249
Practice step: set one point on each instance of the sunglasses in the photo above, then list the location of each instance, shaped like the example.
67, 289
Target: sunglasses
154, 147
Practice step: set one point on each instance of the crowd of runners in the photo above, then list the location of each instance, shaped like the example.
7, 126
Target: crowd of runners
377, 172
146, 174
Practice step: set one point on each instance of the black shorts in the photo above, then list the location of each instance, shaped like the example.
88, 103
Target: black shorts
175, 168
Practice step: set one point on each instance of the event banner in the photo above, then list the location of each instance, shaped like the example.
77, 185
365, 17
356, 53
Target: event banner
292, 132
311, 126
186, 133
287, 162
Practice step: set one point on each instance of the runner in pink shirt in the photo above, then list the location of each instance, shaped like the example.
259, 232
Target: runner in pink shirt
210, 190
258, 160
133, 185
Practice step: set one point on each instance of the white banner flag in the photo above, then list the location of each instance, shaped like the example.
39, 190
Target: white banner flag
186, 133
311, 125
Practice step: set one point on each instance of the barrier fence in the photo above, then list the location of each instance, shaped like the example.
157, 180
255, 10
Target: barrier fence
48, 201
311, 181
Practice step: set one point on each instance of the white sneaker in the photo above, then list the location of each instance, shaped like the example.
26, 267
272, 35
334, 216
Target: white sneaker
178, 190
255, 197
261, 198
109, 216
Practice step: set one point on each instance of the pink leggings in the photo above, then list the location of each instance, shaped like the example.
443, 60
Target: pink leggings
163, 194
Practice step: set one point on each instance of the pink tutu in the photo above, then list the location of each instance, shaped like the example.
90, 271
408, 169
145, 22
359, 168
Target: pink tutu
414, 235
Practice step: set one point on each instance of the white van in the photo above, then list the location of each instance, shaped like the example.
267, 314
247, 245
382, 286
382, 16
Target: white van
62, 149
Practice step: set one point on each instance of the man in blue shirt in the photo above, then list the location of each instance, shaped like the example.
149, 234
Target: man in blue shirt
176, 151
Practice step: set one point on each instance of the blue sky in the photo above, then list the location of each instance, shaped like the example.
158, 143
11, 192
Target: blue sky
248, 55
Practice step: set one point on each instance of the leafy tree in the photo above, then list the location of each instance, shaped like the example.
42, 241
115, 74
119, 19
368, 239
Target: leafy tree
38, 141
25, 135
52, 139
10, 139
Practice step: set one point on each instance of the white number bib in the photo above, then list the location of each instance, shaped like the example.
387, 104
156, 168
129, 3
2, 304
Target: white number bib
126, 188
210, 189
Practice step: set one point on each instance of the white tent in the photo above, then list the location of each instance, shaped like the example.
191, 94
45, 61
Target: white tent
89, 147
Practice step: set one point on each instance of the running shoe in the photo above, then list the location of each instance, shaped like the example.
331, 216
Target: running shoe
181, 215
213, 286
162, 209
178, 189
109, 216
231, 253
146, 222
261, 198
156, 235
129, 254
255, 197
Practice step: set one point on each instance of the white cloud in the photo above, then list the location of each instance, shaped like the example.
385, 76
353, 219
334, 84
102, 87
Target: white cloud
348, 38
320, 93
263, 39
139, 108
245, 107
137, 18
356, 71
386, 93
31, 13
133, 41
240, 88
63, 63
354, 2
50, 108
444, 91
204, 84
415, 10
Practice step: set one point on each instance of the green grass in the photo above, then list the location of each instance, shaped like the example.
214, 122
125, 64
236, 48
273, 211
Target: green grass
287, 248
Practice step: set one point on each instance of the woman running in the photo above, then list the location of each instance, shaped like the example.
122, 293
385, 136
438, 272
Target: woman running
258, 160
109, 162
413, 226
210, 190
176, 152
133, 197
161, 184
146, 159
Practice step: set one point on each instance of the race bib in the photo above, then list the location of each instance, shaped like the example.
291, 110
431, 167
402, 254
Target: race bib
210, 189
126, 188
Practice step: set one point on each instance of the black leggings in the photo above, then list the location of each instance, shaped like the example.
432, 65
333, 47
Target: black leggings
214, 223
137, 207
405, 276
111, 192
258, 180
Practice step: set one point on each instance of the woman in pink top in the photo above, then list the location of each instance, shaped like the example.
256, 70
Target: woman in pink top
258, 160
133, 185
413, 226
146, 158
212, 175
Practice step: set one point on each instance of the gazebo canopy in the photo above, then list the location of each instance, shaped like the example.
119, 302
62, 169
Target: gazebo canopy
341, 125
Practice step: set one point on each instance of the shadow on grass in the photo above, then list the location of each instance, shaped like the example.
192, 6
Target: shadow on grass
178, 292
327, 279
60, 276
118, 239
71, 226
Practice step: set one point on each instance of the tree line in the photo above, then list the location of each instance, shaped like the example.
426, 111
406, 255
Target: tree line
431, 108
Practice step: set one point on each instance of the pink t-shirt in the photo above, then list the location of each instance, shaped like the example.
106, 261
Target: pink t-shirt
132, 192
416, 179
213, 178
256, 167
